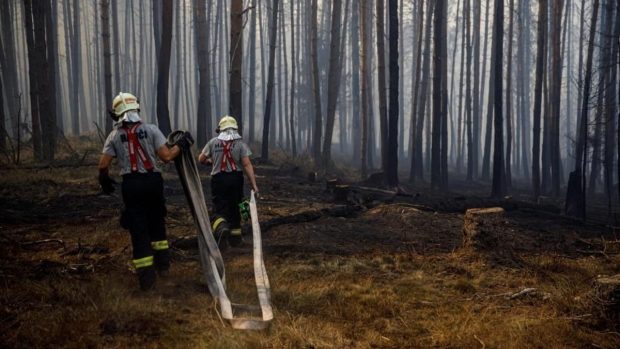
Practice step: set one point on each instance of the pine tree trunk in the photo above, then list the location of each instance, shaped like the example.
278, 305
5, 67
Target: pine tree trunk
383, 122
443, 157
203, 118
604, 44
476, 92
316, 86
540, 66
107, 59
252, 74
8, 60
437, 110
418, 156
415, 94
498, 187
363, 15
555, 95
294, 88
163, 71
268, 100
392, 163
51, 129
34, 61
488, 135
468, 97
509, 129
355, 81
452, 109
235, 101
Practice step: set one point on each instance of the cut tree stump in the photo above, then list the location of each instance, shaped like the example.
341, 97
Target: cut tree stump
607, 300
482, 228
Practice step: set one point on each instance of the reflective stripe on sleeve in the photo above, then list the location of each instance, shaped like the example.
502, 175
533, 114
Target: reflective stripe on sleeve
235, 232
159, 245
143, 262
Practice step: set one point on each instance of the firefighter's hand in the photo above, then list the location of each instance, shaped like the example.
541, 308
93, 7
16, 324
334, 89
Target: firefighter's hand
106, 182
185, 141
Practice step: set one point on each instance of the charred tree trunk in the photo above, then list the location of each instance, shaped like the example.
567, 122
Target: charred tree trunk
437, 109
392, 163
163, 71
476, 107
415, 96
355, 80
383, 122
34, 62
540, 66
268, 100
316, 85
363, 15
203, 118
509, 128
252, 74
107, 57
499, 184
555, 95
235, 101
333, 84
293, 86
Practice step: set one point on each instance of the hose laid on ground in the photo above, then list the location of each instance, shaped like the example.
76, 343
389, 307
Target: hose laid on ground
210, 256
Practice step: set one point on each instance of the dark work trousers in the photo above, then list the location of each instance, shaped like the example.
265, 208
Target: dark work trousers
145, 207
227, 194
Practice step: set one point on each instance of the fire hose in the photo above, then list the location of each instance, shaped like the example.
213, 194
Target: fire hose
240, 316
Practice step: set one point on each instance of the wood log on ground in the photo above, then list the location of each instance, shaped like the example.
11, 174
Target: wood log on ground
190, 242
482, 228
606, 300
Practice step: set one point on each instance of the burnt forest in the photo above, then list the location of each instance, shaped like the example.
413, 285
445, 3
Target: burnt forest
428, 173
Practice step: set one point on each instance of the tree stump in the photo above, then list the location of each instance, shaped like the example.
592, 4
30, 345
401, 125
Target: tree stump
341, 193
482, 228
607, 300
330, 184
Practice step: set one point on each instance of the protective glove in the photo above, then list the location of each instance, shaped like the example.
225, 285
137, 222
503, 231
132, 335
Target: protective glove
244, 210
185, 141
106, 182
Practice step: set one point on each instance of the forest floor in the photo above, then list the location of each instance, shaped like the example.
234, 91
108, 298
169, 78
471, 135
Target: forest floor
390, 274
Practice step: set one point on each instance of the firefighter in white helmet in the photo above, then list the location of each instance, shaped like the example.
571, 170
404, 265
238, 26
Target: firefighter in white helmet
136, 146
230, 157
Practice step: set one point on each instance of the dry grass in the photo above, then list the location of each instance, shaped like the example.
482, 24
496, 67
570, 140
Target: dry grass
336, 283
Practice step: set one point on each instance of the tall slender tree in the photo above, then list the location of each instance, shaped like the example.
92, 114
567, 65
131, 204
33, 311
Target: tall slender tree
163, 71
203, 118
333, 84
499, 185
235, 101
392, 163
268, 100
540, 66
437, 109
383, 119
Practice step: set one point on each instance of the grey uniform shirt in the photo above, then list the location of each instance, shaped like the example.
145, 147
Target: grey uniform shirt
150, 138
215, 150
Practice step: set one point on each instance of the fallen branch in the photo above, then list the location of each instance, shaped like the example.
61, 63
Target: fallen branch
44, 241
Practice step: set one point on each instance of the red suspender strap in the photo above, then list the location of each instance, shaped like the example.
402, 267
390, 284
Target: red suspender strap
136, 147
227, 156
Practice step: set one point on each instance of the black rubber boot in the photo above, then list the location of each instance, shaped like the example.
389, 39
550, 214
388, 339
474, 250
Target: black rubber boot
161, 260
146, 278
221, 231
235, 239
